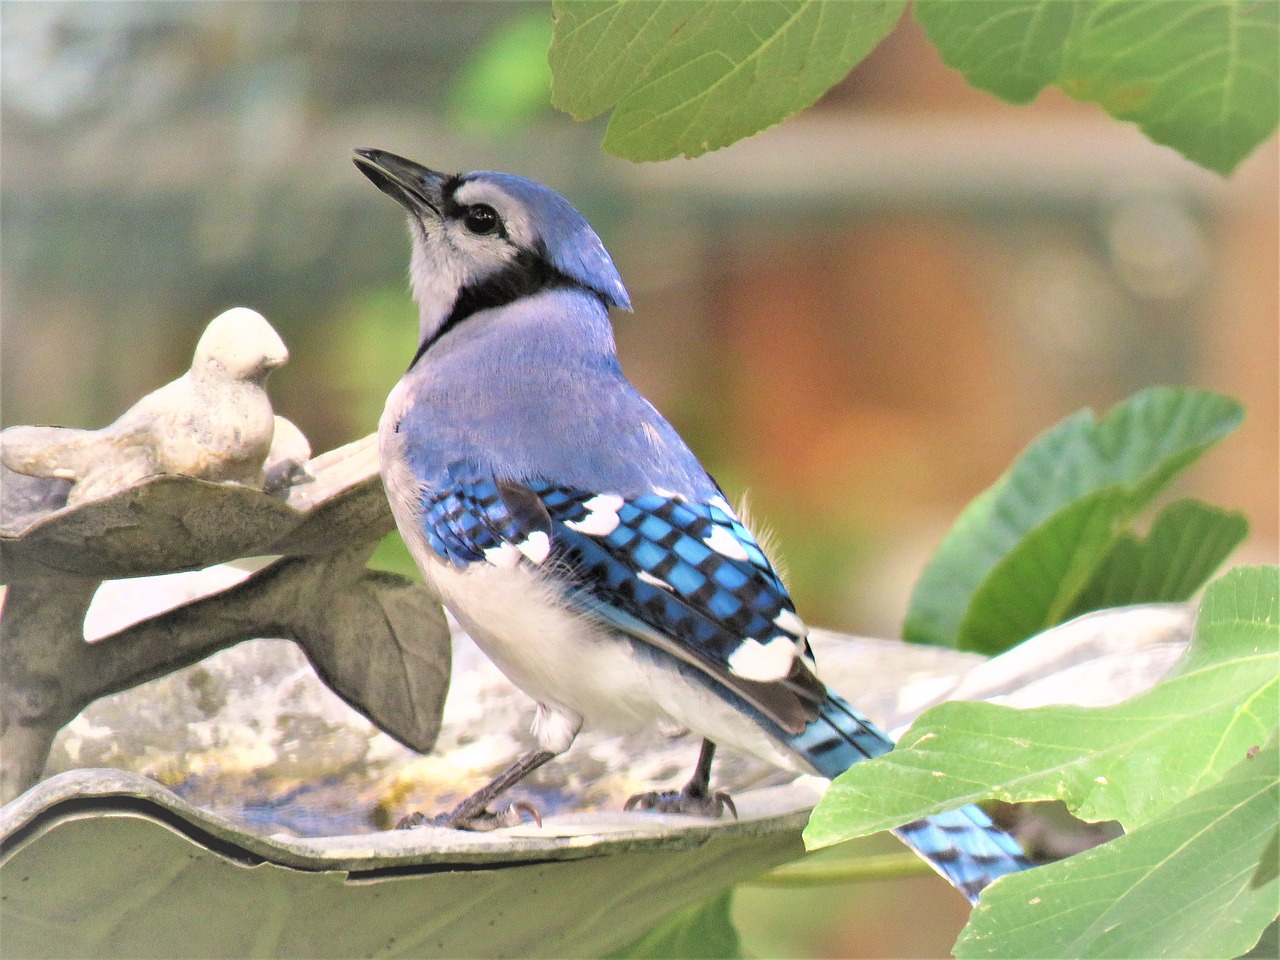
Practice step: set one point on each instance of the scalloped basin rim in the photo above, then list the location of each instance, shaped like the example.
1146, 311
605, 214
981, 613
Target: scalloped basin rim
91, 538
192, 523
78, 793
298, 500
37, 524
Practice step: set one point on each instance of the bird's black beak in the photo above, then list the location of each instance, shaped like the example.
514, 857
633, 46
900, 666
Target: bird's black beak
410, 184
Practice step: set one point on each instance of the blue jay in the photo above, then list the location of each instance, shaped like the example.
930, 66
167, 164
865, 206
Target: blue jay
572, 532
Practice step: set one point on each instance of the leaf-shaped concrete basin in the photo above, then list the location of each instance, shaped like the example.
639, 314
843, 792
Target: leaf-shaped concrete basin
100, 863
104, 863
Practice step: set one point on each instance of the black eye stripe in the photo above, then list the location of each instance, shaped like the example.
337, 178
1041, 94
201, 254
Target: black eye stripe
450, 206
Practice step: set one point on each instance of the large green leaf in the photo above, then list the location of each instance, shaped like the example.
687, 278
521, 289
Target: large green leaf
1030, 586
685, 78
1023, 550
702, 931
1198, 881
1127, 762
1012, 48
601, 49
1187, 543
1197, 75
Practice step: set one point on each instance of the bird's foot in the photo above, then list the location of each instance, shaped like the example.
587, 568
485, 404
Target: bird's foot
477, 822
698, 803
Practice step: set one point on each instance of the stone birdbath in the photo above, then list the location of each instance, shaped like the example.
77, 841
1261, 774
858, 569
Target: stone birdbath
211, 710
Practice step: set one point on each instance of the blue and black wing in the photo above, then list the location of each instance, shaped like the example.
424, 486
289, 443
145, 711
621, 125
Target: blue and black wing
683, 575
690, 579
471, 518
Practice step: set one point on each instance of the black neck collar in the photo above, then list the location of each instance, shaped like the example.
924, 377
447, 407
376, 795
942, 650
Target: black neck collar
528, 274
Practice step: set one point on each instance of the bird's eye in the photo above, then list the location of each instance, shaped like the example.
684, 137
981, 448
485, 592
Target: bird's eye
481, 218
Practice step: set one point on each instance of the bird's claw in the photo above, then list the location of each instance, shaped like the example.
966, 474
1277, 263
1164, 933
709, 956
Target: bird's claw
485, 820
697, 804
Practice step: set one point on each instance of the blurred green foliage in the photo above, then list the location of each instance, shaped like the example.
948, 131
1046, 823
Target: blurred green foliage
506, 83
380, 334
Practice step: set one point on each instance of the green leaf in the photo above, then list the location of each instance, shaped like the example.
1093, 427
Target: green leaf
601, 49
1027, 546
1127, 762
1197, 881
686, 78
1010, 48
1030, 586
1198, 75
703, 931
1187, 543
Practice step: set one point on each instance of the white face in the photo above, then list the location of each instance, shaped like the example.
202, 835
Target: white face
462, 248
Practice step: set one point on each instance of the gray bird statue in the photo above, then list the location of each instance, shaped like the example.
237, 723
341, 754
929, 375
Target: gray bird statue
215, 422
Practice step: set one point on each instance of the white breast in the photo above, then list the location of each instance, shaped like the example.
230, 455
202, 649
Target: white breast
576, 668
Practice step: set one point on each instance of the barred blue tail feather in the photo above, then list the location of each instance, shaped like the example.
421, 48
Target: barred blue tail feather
963, 845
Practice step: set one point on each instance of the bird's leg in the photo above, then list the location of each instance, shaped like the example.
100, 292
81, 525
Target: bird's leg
695, 798
473, 813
